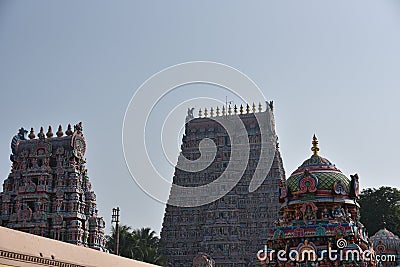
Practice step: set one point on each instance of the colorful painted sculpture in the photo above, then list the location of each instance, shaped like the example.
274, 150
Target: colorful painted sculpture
319, 212
48, 191
388, 244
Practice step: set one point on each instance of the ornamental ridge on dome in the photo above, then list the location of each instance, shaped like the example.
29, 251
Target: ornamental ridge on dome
316, 162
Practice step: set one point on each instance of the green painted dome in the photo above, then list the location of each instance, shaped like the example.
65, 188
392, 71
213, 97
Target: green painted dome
325, 172
326, 180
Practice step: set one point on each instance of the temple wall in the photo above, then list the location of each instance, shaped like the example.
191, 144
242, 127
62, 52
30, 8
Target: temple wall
23, 249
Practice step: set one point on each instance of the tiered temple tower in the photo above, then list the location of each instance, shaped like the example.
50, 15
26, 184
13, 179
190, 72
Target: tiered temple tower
48, 191
319, 223
228, 231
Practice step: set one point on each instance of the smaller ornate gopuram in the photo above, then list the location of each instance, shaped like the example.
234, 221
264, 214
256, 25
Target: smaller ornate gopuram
48, 192
319, 222
387, 246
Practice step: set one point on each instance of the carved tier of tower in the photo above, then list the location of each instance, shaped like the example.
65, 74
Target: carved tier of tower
48, 191
319, 214
229, 230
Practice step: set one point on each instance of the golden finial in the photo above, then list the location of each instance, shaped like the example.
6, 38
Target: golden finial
241, 109
41, 133
230, 110
49, 133
32, 134
254, 108
315, 147
212, 112
200, 113
259, 107
69, 130
59, 133
235, 109
247, 109
223, 111
217, 111
205, 113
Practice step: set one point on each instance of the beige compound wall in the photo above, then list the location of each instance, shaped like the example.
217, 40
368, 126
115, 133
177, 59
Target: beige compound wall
22, 249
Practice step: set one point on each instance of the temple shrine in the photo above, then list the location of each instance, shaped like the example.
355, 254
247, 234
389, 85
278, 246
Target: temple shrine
48, 192
387, 245
319, 222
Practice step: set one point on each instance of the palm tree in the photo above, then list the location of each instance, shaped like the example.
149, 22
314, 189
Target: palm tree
125, 241
147, 246
139, 244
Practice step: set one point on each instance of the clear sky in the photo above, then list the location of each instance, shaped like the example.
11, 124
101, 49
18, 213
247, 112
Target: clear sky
331, 67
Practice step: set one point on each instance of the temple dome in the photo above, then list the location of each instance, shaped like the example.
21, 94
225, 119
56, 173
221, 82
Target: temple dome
325, 172
386, 238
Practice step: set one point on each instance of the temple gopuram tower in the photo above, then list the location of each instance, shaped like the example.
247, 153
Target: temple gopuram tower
319, 222
228, 231
48, 191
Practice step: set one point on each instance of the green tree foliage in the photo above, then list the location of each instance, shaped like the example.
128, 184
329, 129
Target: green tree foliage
379, 206
138, 244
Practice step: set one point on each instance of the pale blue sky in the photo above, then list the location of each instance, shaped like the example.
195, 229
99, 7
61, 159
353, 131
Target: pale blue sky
331, 67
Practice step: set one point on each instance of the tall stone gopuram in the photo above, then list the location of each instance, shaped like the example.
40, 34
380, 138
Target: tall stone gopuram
230, 230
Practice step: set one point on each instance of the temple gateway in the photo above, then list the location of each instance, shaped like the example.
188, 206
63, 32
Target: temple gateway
48, 192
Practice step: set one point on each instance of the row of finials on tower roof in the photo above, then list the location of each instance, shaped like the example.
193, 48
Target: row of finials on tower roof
229, 110
49, 134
